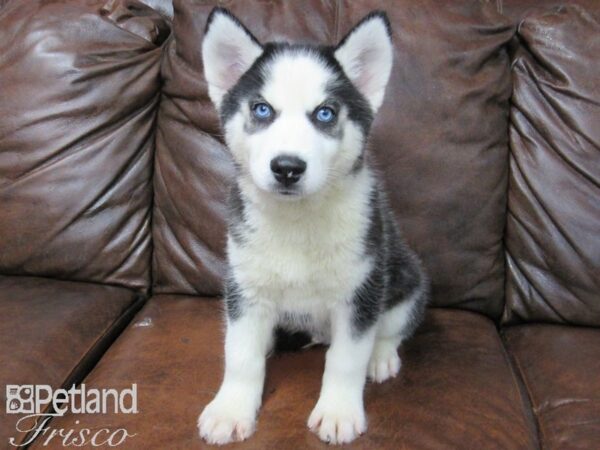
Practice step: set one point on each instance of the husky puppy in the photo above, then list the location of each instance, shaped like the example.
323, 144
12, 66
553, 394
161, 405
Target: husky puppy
312, 243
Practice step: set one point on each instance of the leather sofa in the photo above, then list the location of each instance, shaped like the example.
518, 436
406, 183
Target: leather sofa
113, 179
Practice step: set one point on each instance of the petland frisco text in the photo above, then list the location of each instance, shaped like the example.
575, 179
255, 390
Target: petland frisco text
40, 403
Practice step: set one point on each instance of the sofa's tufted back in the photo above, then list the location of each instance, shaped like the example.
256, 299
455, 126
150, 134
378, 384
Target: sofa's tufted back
81, 196
553, 221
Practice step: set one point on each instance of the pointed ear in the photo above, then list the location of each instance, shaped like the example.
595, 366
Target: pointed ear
366, 56
228, 51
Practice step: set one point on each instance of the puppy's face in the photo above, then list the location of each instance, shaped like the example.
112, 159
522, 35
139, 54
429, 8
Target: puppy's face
296, 117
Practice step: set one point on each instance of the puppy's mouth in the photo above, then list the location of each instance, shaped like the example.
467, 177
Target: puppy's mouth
288, 192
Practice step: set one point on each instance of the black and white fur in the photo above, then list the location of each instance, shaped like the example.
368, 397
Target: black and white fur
323, 253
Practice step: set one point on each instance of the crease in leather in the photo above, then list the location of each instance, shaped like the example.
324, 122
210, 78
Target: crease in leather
202, 264
531, 285
523, 389
94, 351
534, 195
141, 238
516, 363
143, 151
336, 22
56, 278
120, 14
548, 405
93, 135
561, 399
92, 206
173, 205
559, 123
176, 100
185, 220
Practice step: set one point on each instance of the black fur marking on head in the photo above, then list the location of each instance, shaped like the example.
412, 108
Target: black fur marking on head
255, 124
344, 91
340, 89
330, 128
248, 86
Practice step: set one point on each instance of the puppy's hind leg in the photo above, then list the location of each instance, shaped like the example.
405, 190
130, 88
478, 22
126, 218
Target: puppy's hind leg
396, 324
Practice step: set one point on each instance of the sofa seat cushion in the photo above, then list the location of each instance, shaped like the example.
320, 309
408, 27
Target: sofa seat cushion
52, 332
456, 387
560, 366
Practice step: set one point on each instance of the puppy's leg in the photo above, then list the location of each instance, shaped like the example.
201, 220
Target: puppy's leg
231, 416
339, 415
395, 325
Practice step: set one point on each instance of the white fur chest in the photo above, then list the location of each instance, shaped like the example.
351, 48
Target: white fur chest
302, 258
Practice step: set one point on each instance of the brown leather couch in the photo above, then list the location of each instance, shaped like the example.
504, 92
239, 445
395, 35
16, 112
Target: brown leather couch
113, 177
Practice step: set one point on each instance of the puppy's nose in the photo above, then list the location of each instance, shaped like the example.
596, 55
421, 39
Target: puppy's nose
287, 169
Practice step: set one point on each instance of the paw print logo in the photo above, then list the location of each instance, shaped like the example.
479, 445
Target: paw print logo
20, 399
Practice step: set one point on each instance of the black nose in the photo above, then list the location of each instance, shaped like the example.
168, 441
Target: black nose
287, 169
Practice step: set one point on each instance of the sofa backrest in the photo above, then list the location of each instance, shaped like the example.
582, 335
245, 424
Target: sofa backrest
553, 223
440, 141
79, 87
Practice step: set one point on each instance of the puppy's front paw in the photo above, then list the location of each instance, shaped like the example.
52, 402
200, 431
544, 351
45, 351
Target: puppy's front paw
224, 421
337, 422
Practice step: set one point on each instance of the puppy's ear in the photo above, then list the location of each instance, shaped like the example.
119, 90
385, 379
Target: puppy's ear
228, 51
366, 56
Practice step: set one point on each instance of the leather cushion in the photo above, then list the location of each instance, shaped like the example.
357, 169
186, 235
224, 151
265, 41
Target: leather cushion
52, 332
517, 10
456, 388
80, 89
560, 366
553, 223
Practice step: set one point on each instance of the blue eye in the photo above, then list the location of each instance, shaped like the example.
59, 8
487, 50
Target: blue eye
262, 111
325, 114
